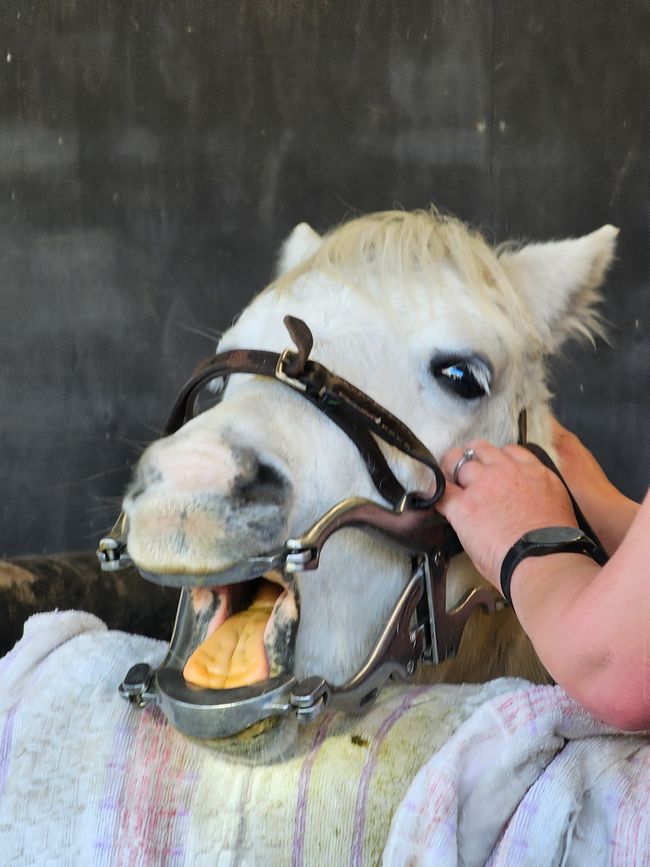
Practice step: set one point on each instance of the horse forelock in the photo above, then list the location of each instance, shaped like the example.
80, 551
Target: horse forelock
401, 248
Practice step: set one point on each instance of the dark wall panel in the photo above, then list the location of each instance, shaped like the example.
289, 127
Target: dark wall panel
570, 153
154, 155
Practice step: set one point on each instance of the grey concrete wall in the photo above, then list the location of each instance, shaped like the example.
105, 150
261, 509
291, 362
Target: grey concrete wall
154, 154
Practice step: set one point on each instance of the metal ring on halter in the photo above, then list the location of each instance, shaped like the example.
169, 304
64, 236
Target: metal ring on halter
467, 456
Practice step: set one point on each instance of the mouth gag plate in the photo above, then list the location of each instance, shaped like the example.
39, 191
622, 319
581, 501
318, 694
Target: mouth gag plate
199, 712
416, 629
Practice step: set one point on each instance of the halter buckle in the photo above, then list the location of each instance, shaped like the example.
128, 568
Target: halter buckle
284, 377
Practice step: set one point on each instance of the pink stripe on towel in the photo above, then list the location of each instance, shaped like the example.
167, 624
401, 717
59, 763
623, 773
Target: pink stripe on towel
303, 790
5, 747
149, 791
360, 813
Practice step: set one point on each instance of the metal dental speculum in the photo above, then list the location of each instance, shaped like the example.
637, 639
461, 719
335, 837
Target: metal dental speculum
419, 627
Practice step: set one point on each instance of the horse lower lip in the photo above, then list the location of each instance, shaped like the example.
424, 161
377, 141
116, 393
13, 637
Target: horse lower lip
191, 581
238, 573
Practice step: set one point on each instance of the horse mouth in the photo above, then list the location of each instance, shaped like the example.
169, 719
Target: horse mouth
245, 633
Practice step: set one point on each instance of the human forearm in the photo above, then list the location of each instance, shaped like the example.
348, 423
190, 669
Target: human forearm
591, 627
609, 512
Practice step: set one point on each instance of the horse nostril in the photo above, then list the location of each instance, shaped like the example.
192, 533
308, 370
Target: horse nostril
203, 465
268, 475
265, 484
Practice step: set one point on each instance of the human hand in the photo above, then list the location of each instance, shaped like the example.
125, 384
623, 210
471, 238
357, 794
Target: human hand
501, 494
581, 470
609, 512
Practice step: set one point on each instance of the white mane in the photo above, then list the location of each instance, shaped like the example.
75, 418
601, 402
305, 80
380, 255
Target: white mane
367, 253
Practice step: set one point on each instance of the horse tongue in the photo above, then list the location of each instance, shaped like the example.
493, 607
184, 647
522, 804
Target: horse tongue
234, 655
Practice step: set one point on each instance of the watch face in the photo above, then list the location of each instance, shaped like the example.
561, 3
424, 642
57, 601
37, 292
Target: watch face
554, 535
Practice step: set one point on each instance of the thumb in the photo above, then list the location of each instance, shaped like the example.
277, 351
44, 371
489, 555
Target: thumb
447, 505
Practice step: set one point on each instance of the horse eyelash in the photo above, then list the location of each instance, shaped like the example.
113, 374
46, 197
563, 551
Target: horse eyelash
479, 368
481, 374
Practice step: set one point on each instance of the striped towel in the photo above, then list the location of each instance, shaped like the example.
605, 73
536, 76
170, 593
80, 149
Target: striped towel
508, 774
529, 779
85, 779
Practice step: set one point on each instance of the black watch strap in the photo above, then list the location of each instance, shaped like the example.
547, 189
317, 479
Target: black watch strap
548, 540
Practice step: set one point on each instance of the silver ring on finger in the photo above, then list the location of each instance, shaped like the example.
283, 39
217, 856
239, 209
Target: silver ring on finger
467, 456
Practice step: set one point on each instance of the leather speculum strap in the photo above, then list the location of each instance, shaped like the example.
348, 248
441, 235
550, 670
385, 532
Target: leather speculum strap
420, 626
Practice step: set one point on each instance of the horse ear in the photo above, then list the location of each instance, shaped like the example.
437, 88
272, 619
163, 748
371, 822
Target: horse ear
301, 243
560, 281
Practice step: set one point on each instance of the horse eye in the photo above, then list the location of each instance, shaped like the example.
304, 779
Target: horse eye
468, 378
209, 395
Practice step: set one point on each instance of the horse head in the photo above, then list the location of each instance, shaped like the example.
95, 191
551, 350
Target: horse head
449, 335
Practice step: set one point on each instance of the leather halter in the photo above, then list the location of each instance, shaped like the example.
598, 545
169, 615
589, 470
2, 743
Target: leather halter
358, 416
412, 525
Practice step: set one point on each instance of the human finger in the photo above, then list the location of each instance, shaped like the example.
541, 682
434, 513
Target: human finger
458, 461
454, 454
466, 469
476, 452
485, 451
448, 503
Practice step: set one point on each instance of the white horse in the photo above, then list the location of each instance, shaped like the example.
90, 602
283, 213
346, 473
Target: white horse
451, 337
447, 334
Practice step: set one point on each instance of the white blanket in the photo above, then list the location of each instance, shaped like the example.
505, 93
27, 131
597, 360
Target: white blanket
529, 779
85, 779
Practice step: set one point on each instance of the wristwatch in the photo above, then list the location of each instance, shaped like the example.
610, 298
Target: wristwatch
547, 540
